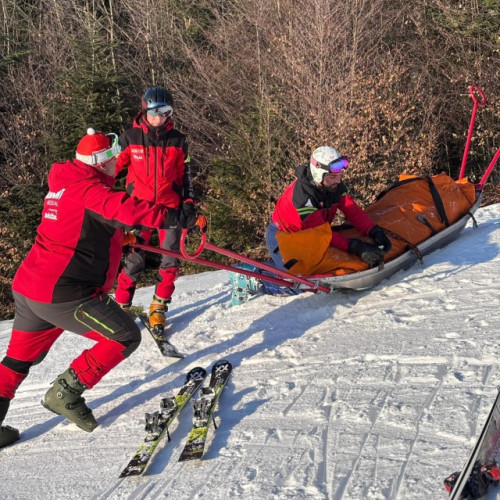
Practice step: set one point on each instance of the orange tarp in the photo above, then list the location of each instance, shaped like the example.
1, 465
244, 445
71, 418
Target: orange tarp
397, 211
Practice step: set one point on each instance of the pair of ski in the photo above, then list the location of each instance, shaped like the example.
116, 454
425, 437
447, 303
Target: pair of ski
157, 423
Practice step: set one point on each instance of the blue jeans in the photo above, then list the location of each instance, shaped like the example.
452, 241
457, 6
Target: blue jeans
273, 247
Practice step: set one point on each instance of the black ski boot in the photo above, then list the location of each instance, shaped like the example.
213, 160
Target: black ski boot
65, 398
8, 434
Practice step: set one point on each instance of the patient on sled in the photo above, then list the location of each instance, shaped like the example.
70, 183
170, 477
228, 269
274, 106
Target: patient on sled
302, 240
311, 202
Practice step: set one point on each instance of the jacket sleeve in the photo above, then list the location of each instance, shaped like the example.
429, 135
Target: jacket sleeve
187, 180
120, 210
355, 214
123, 159
339, 241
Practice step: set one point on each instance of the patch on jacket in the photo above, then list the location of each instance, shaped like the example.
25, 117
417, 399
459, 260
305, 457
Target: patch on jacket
137, 152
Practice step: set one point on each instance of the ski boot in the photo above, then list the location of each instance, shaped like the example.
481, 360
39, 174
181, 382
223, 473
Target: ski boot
126, 308
157, 318
8, 434
244, 287
65, 398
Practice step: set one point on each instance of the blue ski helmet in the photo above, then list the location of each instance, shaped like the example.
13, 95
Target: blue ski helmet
156, 97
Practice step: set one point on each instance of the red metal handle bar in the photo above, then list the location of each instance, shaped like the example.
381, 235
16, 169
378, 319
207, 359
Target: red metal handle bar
265, 267
198, 251
217, 265
486, 174
473, 89
209, 246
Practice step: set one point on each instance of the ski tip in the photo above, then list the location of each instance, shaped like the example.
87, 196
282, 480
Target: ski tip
223, 362
197, 372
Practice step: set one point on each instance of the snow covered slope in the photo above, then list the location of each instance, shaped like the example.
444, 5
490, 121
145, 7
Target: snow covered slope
360, 395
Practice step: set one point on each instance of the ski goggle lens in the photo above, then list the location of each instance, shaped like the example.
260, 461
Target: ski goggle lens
158, 109
338, 165
335, 166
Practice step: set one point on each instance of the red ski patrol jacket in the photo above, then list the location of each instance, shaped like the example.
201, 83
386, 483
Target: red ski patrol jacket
158, 163
304, 205
78, 245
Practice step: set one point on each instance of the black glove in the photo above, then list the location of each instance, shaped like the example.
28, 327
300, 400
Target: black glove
377, 233
365, 251
171, 219
188, 215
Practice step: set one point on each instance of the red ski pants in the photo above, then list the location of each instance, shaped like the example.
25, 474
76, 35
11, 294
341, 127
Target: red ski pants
37, 326
134, 264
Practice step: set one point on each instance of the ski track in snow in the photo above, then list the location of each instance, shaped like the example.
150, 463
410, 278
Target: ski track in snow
356, 395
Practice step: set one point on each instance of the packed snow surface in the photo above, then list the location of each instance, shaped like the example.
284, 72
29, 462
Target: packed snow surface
354, 395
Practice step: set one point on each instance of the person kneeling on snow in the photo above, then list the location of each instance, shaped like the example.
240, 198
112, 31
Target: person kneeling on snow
63, 282
314, 198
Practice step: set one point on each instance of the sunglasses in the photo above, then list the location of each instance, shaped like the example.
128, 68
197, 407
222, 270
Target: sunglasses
159, 109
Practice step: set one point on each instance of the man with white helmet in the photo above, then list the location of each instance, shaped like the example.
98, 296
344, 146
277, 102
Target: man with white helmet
314, 198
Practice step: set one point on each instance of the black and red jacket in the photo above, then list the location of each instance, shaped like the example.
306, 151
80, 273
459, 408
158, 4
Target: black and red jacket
305, 205
78, 246
158, 163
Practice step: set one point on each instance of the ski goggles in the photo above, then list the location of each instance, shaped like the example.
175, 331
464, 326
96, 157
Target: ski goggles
335, 166
160, 109
104, 155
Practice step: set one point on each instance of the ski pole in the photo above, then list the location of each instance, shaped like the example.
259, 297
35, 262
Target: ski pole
477, 103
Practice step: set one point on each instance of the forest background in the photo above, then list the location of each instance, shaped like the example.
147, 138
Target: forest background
257, 85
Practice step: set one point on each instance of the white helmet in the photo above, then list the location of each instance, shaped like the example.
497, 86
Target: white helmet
326, 159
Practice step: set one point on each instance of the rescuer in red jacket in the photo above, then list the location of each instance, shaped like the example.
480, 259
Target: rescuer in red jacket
157, 159
63, 282
314, 198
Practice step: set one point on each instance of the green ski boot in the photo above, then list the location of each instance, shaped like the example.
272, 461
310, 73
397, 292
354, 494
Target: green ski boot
65, 398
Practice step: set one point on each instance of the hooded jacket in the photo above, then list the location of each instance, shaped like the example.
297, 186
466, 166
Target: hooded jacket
305, 205
158, 163
78, 246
